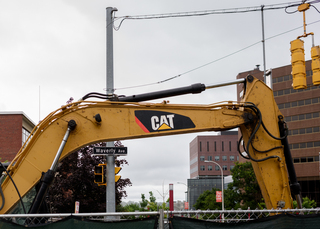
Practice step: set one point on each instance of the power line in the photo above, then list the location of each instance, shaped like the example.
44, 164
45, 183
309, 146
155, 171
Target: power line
208, 12
218, 11
211, 62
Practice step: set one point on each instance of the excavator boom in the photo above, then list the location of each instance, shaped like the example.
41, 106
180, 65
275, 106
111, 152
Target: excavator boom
119, 120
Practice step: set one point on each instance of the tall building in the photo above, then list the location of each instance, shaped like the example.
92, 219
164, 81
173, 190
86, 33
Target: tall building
222, 151
15, 128
219, 148
301, 109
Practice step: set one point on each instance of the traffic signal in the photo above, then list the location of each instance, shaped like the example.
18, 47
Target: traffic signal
116, 171
99, 177
298, 64
315, 65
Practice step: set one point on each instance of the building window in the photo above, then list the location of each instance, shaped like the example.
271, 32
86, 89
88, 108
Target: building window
315, 100
25, 135
294, 104
202, 168
216, 158
302, 145
310, 159
224, 158
209, 158
217, 168
302, 116
290, 91
224, 167
200, 146
306, 159
209, 167
222, 146
300, 102
215, 146
231, 158
229, 145
208, 146
201, 158
231, 167
287, 91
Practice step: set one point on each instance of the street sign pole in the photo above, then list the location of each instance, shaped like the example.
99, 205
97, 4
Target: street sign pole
110, 187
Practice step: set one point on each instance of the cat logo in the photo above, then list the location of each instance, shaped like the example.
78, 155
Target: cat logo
163, 123
152, 121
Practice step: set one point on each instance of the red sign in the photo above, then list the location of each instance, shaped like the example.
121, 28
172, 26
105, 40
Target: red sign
218, 196
186, 205
76, 207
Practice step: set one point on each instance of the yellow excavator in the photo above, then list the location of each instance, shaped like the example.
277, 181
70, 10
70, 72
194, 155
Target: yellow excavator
82, 123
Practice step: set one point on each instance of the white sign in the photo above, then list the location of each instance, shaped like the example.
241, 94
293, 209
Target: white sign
76, 207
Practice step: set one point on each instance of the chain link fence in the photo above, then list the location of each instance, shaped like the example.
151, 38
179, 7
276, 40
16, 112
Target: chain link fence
158, 219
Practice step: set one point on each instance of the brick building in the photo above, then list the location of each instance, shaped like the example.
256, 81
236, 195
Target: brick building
301, 109
15, 128
219, 148
222, 149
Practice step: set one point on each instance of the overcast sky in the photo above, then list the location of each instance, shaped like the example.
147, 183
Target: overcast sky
53, 50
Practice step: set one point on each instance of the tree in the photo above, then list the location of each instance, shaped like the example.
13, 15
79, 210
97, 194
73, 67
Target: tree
152, 204
306, 203
132, 207
244, 191
207, 200
74, 181
144, 202
152, 198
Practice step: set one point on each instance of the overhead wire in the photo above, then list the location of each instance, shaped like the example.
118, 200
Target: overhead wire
211, 62
316, 8
202, 13
206, 12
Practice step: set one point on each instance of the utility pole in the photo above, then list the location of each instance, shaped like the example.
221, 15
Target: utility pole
110, 187
263, 46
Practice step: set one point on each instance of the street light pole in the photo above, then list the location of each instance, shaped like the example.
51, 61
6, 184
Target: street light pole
222, 183
188, 200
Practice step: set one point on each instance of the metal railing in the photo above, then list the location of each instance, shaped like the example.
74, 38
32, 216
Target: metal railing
226, 216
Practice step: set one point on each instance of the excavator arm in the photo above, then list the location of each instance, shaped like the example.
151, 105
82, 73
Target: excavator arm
257, 116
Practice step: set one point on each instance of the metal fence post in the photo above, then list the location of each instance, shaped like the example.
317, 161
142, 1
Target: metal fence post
161, 219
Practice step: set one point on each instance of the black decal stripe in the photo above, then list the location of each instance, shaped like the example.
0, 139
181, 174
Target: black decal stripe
144, 120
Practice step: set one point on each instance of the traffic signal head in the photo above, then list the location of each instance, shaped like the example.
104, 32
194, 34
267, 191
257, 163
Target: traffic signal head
99, 176
315, 65
116, 171
298, 64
